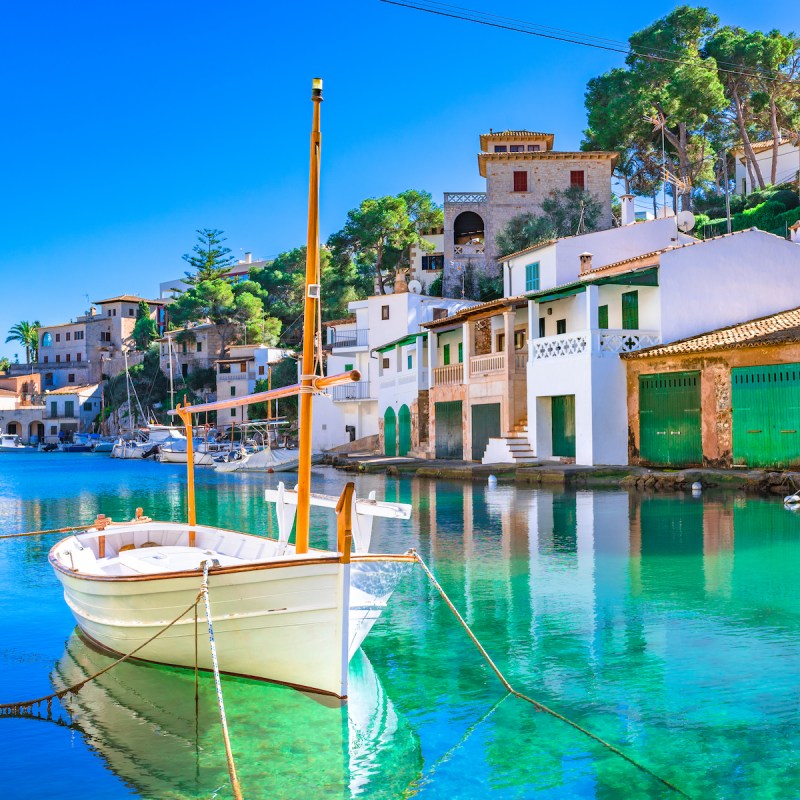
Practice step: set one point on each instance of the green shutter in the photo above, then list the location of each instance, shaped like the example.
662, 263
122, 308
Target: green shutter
69, 408
460, 352
348, 367
446, 355
410, 360
630, 311
532, 277
602, 317
53, 408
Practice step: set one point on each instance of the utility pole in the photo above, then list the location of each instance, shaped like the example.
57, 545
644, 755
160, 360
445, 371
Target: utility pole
727, 188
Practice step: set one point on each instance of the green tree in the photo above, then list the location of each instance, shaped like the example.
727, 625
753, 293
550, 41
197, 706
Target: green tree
564, 213
209, 257
5, 364
379, 234
145, 330
26, 334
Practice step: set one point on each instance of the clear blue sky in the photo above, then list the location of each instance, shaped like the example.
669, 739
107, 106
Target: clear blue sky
129, 125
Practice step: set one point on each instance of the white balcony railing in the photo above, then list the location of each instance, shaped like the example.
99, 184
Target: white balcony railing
451, 374
349, 337
465, 197
482, 365
249, 375
469, 249
350, 391
597, 342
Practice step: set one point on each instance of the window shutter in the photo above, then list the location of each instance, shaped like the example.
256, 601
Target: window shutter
446, 355
602, 317
460, 352
630, 311
532, 277
577, 177
520, 181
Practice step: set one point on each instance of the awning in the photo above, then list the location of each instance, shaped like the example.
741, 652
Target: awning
640, 277
410, 339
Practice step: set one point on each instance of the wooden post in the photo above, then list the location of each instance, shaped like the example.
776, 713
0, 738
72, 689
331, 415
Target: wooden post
309, 330
191, 511
344, 522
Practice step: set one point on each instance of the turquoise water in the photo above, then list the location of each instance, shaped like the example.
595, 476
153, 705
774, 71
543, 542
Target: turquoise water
668, 625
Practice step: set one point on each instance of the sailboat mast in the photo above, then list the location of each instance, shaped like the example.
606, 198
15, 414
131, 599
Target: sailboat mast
128, 389
171, 386
309, 329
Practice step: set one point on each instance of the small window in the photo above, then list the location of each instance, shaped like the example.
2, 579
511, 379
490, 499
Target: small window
130, 312
577, 177
233, 391
602, 317
46, 359
384, 312
183, 346
431, 263
68, 336
439, 313
385, 363
78, 357
500, 148
68, 358
78, 335
446, 355
108, 313
520, 181
519, 339
58, 337
541, 327
410, 361
243, 366
114, 313
53, 408
533, 148
561, 326
71, 377
261, 369
532, 277
517, 148
53, 429
348, 367
233, 412
501, 342
87, 406
199, 347
58, 359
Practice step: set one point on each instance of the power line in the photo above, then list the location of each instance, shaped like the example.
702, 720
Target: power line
569, 37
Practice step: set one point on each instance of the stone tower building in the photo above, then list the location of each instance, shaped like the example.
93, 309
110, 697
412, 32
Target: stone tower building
520, 168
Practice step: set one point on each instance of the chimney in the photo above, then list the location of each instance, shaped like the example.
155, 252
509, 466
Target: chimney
586, 262
248, 258
628, 211
400, 283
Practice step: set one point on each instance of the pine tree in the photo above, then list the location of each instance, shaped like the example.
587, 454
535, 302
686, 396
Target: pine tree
210, 260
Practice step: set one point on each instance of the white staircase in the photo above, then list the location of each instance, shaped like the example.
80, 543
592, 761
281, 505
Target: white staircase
512, 449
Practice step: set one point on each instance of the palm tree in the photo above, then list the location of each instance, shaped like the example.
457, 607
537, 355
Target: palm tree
27, 334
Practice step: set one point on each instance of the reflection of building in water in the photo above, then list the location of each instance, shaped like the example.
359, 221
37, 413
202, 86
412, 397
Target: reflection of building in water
140, 719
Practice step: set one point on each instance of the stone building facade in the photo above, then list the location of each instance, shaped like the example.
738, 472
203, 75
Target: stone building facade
521, 169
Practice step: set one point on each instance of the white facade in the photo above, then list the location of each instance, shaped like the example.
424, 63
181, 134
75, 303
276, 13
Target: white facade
788, 164
680, 292
71, 410
350, 412
427, 265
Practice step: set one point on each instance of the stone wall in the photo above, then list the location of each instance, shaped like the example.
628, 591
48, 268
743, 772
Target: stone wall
715, 393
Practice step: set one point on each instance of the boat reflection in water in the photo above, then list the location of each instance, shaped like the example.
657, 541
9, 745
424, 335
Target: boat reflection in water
140, 718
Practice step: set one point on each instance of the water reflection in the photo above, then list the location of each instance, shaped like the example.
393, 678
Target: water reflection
141, 720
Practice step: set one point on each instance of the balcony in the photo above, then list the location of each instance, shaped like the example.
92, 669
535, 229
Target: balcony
353, 337
464, 197
250, 375
469, 249
598, 343
350, 391
415, 378
452, 374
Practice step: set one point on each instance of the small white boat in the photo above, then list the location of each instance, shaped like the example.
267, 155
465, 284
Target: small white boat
278, 615
153, 438
270, 459
205, 453
103, 445
11, 443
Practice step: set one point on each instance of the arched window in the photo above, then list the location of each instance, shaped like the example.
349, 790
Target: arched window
47, 340
468, 228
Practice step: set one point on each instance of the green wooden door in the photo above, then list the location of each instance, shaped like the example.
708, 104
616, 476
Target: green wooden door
449, 431
766, 415
669, 419
563, 423
485, 426
390, 432
404, 430
630, 310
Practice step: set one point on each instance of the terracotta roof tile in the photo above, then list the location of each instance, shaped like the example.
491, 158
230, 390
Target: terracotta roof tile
780, 328
489, 305
73, 389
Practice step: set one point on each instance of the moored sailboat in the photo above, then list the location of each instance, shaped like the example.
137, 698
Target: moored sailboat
282, 611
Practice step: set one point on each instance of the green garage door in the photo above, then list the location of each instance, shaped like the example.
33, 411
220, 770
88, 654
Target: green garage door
669, 419
390, 432
404, 430
563, 423
449, 433
485, 426
766, 415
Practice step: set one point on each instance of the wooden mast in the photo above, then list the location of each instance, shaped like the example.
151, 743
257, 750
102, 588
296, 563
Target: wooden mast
309, 329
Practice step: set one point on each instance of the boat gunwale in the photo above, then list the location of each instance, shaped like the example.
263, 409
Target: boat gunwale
253, 566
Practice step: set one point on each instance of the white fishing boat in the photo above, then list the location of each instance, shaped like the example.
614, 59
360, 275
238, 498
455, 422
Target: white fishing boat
205, 453
148, 443
11, 443
281, 610
270, 459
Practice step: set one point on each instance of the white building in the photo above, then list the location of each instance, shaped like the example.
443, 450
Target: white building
788, 163
584, 310
351, 411
427, 265
71, 409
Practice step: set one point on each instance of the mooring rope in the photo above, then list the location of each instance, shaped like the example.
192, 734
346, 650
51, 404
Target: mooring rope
44, 533
237, 789
24, 708
535, 703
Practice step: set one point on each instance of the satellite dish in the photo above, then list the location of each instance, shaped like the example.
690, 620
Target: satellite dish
415, 287
685, 221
